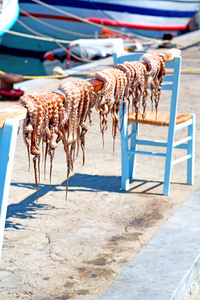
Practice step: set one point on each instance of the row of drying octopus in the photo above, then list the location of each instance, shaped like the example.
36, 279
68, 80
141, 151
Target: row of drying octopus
62, 115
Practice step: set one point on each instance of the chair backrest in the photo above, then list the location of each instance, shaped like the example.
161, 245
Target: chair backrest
171, 82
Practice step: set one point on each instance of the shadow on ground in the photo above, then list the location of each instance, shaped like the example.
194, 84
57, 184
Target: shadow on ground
28, 207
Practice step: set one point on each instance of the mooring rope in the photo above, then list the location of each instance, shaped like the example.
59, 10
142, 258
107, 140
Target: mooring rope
90, 22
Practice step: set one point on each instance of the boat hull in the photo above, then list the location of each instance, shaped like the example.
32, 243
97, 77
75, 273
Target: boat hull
135, 17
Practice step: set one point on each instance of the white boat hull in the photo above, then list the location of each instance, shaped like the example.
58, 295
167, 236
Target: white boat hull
9, 12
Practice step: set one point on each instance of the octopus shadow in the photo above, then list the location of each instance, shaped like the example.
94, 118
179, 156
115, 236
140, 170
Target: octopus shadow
28, 208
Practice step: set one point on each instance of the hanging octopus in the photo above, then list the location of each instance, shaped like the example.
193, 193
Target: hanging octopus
119, 98
62, 115
155, 74
50, 120
137, 88
84, 99
44, 112
131, 87
110, 97
79, 96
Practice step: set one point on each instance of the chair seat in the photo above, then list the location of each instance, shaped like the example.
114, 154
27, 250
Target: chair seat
159, 119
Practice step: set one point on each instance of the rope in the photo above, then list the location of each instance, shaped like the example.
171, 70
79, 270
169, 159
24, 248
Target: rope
190, 71
40, 36
48, 39
54, 27
90, 22
186, 71
58, 43
41, 76
33, 31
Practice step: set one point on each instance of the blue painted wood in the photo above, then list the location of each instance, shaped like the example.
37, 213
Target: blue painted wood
151, 143
124, 149
191, 151
184, 124
171, 83
153, 153
8, 138
182, 141
168, 78
181, 159
167, 87
172, 123
133, 147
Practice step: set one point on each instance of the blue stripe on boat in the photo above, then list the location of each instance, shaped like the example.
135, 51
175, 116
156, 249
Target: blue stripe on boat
119, 8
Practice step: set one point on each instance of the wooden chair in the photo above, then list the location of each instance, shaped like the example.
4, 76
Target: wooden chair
175, 121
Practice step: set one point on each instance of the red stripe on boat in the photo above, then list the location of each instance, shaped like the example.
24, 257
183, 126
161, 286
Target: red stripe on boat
49, 56
112, 23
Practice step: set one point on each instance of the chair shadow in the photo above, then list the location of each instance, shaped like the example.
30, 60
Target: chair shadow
91, 183
139, 183
110, 184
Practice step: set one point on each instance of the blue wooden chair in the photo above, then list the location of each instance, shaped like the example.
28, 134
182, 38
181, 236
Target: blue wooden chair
175, 121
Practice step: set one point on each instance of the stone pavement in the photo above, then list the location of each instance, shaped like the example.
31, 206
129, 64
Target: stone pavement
75, 248
168, 267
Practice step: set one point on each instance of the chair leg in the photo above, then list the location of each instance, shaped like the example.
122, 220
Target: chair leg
125, 170
124, 149
132, 158
8, 138
191, 151
168, 163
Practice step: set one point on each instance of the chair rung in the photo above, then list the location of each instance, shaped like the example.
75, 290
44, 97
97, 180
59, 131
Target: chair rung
167, 87
168, 78
174, 162
146, 153
151, 143
131, 134
184, 124
180, 143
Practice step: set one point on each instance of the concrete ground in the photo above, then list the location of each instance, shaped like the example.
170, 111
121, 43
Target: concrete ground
75, 248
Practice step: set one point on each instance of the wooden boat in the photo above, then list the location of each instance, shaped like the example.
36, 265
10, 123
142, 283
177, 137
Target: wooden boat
41, 22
